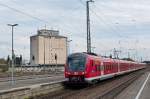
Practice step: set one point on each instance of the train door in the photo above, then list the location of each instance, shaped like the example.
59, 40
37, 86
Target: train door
95, 67
119, 67
105, 67
92, 69
98, 69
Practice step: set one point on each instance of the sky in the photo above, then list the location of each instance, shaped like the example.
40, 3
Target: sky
120, 24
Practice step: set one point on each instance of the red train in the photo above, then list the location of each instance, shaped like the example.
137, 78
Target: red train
83, 67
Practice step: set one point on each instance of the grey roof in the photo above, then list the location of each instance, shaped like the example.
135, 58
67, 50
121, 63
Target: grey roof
48, 33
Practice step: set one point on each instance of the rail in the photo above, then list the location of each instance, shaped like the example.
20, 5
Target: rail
106, 89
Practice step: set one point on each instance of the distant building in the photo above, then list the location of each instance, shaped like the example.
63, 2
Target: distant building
18, 60
48, 48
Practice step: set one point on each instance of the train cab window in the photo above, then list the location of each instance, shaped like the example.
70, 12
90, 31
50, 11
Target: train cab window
76, 63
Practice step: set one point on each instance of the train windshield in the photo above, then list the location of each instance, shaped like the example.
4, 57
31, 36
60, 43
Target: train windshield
76, 63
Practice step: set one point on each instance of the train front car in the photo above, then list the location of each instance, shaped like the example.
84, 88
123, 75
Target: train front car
75, 68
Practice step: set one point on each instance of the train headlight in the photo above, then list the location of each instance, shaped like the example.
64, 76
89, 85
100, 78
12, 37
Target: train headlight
83, 73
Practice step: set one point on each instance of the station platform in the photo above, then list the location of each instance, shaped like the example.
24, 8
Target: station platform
6, 84
139, 89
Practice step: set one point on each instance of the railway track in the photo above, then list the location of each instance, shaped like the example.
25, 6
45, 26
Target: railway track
106, 89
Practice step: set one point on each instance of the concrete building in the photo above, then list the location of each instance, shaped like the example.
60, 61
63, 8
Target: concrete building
48, 48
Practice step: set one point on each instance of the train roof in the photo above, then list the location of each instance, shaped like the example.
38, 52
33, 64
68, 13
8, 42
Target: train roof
105, 59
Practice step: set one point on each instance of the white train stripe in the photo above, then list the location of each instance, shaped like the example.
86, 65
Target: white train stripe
102, 77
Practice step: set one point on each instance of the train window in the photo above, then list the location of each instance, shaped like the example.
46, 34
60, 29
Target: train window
97, 65
102, 67
98, 68
111, 66
106, 67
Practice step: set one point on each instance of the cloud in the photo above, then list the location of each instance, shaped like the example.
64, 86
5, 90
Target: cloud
116, 20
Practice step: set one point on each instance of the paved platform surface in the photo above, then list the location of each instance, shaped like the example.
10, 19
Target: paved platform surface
140, 89
6, 83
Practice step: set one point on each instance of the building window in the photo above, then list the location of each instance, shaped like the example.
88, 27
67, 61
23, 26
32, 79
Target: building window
33, 58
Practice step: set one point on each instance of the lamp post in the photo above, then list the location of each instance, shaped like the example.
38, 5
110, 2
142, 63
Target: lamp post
12, 64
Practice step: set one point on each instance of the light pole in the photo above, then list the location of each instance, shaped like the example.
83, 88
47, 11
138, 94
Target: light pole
12, 64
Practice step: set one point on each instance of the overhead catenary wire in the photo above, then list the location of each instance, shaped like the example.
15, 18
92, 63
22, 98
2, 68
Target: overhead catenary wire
31, 16
117, 26
110, 21
107, 23
102, 20
98, 21
16, 10
35, 17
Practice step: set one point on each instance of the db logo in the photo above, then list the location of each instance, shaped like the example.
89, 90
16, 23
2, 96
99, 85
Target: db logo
76, 73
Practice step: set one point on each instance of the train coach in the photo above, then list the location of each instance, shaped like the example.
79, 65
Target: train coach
84, 67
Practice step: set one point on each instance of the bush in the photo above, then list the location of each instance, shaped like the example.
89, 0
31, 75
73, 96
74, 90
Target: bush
4, 68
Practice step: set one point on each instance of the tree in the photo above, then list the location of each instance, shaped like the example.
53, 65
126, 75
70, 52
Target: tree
8, 59
2, 61
20, 59
128, 59
3, 65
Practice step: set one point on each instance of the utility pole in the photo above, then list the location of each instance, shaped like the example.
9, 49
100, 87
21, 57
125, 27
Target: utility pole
44, 37
12, 64
88, 27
